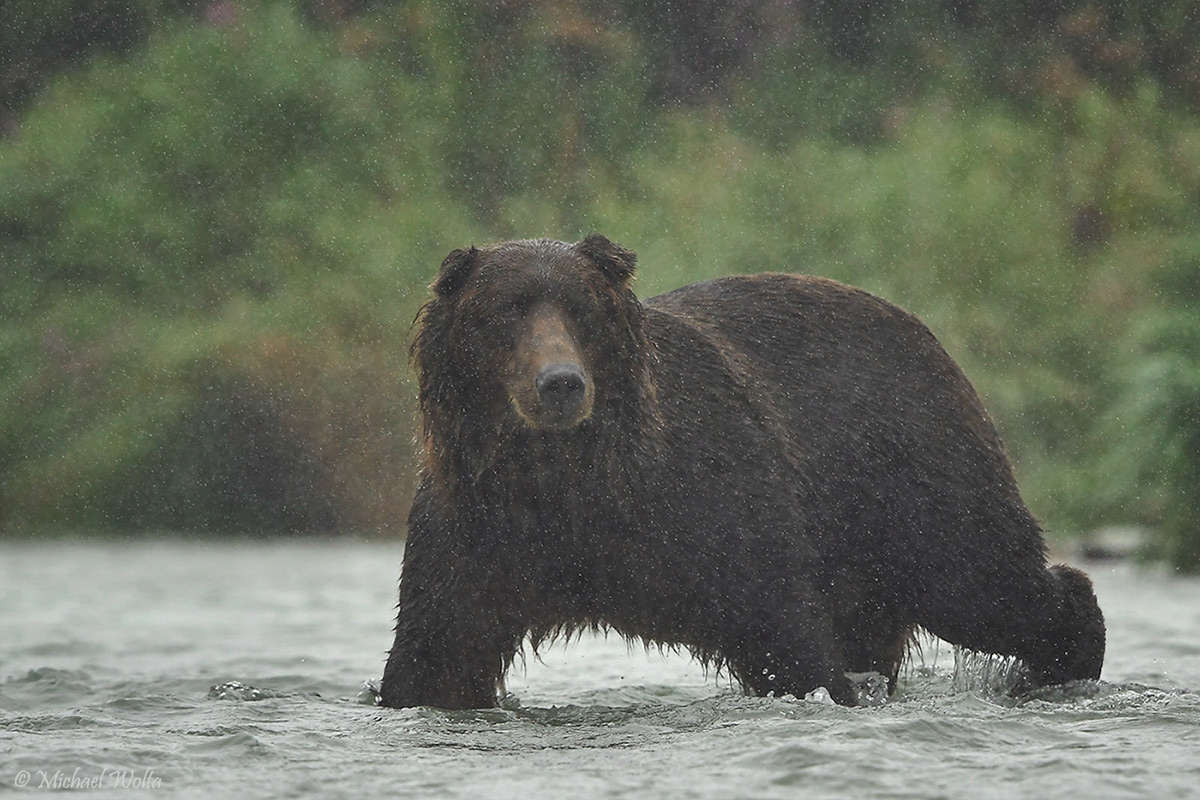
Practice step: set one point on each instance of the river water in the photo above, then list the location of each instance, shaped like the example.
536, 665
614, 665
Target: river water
230, 669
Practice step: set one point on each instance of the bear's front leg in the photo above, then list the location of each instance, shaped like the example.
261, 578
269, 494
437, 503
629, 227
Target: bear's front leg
791, 652
454, 635
439, 659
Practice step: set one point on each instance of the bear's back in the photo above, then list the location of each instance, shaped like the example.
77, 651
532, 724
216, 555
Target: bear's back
859, 390
818, 346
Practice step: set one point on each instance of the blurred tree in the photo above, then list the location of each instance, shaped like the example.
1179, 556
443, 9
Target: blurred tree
179, 167
1155, 477
234, 206
38, 37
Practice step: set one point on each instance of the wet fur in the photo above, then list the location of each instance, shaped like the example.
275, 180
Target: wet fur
781, 474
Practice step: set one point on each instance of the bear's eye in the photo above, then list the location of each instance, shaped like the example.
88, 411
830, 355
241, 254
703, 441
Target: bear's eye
506, 316
585, 312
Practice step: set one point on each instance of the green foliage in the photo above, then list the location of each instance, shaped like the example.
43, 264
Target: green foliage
178, 175
531, 98
231, 207
212, 245
39, 36
1156, 415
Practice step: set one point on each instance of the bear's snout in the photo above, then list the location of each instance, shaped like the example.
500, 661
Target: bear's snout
547, 379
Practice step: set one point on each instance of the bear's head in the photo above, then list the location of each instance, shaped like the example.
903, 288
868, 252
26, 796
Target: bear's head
536, 334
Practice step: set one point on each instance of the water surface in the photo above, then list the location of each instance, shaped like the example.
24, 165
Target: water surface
192, 669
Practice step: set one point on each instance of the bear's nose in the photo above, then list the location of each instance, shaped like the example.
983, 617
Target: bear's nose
561, 386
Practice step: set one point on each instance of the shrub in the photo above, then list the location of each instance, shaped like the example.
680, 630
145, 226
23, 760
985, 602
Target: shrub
1154, 475
214, 244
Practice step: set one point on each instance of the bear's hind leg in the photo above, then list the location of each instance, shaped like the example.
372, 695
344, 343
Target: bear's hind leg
1073, 647
1046, 617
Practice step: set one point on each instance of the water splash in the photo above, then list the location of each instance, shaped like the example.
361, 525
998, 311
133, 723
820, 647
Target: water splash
820, 696
369, 693
236, 690
870, 688
983, 673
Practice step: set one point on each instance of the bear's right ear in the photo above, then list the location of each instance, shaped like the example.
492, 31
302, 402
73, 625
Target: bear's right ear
613, 260
454, 271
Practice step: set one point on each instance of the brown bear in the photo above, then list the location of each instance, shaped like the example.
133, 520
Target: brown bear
782, 474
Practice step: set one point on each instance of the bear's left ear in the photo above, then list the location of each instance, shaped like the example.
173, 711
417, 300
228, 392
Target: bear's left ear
613, 260
454, 271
